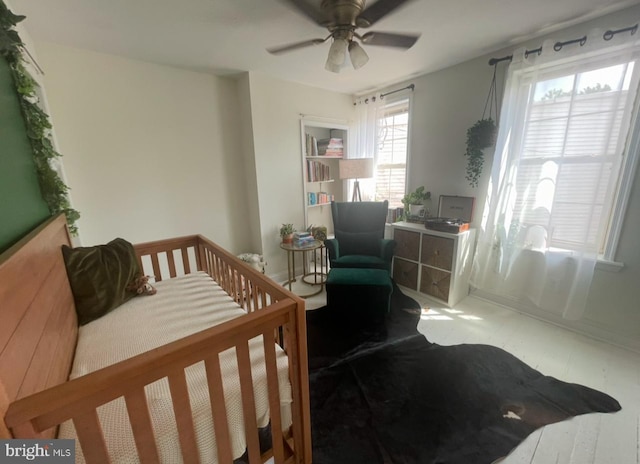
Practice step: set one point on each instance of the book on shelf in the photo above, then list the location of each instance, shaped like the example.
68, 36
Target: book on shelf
322, 198
330, 147
311, 144
317, 171
334, 147
322, 146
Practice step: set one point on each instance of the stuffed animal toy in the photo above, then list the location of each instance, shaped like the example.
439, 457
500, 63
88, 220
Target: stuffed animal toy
254, 260
142, 286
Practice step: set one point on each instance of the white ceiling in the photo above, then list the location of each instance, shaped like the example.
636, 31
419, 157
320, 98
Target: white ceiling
230, 36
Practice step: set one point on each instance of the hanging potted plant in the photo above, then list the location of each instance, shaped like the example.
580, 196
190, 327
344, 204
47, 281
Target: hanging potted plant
482, 134
479, 136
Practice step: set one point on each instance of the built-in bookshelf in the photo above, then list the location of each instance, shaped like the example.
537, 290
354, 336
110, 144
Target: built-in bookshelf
323, 145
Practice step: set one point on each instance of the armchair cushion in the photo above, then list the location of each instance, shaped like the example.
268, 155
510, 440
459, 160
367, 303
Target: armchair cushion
359, 243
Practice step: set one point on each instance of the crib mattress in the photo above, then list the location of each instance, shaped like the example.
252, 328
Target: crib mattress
182, 306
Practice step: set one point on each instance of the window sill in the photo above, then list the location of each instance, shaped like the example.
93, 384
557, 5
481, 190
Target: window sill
609, 266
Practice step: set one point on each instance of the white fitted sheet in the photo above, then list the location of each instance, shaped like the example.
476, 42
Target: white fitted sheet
182, 306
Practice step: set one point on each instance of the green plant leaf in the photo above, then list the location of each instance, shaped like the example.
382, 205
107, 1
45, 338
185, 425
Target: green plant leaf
53, 190
479, 136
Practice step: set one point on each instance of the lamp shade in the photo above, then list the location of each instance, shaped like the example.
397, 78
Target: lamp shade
337, 55
357, 54
358, 168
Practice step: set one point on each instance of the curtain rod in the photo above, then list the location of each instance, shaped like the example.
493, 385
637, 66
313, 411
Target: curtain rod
382, 95
558, 45
410, 86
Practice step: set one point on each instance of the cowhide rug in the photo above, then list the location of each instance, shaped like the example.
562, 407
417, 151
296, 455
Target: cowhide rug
385, 394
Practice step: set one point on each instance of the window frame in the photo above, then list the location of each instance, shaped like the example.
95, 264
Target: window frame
387, 102
630, 153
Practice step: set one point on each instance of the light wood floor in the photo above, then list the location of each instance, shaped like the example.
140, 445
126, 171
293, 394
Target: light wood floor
568, 356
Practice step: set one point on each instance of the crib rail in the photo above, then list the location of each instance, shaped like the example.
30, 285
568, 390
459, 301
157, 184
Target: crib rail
79, 399
272, 310
164, 259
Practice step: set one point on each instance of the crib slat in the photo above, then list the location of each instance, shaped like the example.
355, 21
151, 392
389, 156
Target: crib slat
274, 398
184, 419
248, 402
218, 409
141, 426
215, 271
89, 431
185, 260
156, 267
290, 340
172, 264
255, 290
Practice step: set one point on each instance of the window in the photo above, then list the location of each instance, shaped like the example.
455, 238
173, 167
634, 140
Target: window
575, 130
391, 153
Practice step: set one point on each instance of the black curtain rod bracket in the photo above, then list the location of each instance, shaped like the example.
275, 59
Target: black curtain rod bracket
609, 34
495, 61
530, 52
558, 45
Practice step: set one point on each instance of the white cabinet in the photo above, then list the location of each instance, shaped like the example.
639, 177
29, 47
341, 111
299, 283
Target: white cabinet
435, 263
323, 146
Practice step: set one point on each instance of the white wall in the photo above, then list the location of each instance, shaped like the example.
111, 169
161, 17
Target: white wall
446, 103
149, 151
275, 117
153, 151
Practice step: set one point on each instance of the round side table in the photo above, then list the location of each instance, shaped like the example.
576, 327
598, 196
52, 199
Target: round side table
314, 276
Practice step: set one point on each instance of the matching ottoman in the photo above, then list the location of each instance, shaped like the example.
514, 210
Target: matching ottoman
361, 296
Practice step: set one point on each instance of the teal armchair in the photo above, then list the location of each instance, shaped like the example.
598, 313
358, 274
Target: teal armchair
359, 236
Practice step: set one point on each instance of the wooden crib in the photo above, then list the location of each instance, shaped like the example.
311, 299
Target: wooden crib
38, 340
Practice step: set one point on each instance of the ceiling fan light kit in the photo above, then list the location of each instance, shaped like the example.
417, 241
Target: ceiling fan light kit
342, 18
337, 51
357, 54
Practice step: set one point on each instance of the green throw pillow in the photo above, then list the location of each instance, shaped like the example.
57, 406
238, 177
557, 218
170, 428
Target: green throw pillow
99, 277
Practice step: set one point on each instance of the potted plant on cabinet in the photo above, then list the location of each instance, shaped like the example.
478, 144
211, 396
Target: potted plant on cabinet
414, 201
286, 232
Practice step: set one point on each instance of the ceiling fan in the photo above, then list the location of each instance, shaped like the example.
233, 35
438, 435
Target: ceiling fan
342, 18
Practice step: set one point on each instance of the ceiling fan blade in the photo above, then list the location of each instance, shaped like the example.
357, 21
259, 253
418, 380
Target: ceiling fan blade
377, 11
310, 11
389, 40
294, 46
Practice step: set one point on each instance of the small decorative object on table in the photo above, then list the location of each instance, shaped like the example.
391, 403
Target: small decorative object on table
318, 232
303, 239
286, 232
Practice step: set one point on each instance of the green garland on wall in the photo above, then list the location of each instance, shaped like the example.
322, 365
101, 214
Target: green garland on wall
54, 190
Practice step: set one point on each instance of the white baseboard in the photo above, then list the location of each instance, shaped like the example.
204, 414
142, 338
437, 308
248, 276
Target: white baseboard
582, 326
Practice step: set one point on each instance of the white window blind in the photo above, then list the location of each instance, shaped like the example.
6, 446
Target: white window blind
391, 156
573, 138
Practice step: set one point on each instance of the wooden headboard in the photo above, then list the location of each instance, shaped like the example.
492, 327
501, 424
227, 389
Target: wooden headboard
39, 324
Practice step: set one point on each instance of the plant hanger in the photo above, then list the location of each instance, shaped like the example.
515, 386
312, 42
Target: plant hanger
482, 134
492, 97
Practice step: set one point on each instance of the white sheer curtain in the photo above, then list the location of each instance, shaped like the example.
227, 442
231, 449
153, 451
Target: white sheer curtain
364, 143
562, 135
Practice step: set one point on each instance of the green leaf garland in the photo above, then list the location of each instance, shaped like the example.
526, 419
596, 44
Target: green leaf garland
53, 189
